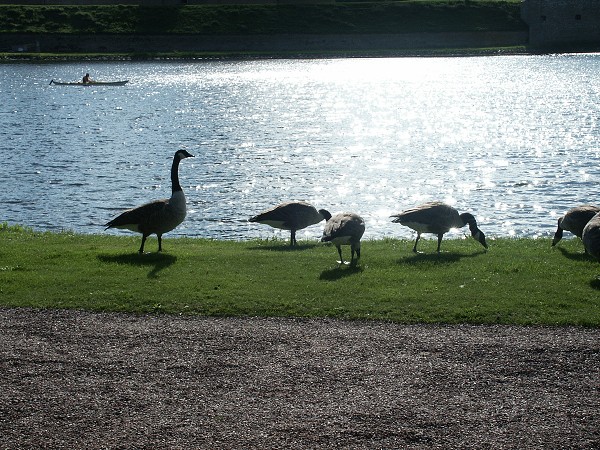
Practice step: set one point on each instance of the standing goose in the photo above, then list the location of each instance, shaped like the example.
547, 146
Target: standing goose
160, 216
574, 220
291, 216
344, 229
591, 237
438, 218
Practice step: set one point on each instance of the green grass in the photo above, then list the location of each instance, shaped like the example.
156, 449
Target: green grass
518, 281
327, 18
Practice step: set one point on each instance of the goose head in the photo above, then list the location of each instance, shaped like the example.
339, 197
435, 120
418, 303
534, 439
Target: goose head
476, 233
182, 154
326, 214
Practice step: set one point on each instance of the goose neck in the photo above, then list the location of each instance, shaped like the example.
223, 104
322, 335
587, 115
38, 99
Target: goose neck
175, 186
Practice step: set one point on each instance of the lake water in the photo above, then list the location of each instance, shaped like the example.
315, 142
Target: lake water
512, 139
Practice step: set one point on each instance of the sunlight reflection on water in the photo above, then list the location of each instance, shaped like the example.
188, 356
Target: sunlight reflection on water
512, 139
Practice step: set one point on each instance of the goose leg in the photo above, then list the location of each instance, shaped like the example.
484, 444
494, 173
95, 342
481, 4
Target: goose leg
159, 242
141, 250
339, 249
440, 236
416, 242
357, 251
293, 238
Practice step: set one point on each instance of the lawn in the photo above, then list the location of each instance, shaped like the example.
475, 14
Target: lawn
517, 281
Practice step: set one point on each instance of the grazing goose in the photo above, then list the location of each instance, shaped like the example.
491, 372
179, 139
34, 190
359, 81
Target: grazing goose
344, 229
291, 216
574, 220
160, 216
438, 218
591, 237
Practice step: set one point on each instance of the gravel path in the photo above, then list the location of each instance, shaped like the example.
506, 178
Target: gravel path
75, 379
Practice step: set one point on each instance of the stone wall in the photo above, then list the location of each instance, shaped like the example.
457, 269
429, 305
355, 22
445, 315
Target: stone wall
562, 22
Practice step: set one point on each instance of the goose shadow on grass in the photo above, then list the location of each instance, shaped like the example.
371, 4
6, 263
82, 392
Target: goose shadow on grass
155, 261
584, 257
595, 283
437, 258
339, 272
276, 246
575, 256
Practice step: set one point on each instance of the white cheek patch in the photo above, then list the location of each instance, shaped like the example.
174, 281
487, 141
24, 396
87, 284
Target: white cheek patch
480, 237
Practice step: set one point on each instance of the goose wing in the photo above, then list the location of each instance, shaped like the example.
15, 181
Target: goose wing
289, 216
576, 218
591, 237
432, 217
344, 225
141, 217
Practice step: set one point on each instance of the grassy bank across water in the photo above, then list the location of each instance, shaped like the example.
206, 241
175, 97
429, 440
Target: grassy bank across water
406, 16
280, 30
518, 281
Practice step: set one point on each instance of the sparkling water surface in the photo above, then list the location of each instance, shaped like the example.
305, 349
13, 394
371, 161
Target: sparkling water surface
512, 139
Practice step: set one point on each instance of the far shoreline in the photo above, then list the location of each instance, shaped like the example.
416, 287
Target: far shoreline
24, 57
12, 57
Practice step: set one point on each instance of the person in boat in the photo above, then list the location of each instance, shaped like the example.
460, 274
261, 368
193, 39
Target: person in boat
86, 78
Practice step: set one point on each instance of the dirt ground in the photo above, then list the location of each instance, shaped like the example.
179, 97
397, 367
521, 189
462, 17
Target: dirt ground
82, 380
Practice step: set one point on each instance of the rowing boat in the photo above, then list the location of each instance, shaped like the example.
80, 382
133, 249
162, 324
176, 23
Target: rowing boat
91, 83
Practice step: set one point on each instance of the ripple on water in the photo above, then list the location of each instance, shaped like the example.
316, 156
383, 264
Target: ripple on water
373, 136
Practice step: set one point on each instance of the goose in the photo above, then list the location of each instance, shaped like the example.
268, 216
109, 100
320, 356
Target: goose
291, 216
157, 217
438, 218
344, 229
591, 237
574, 220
